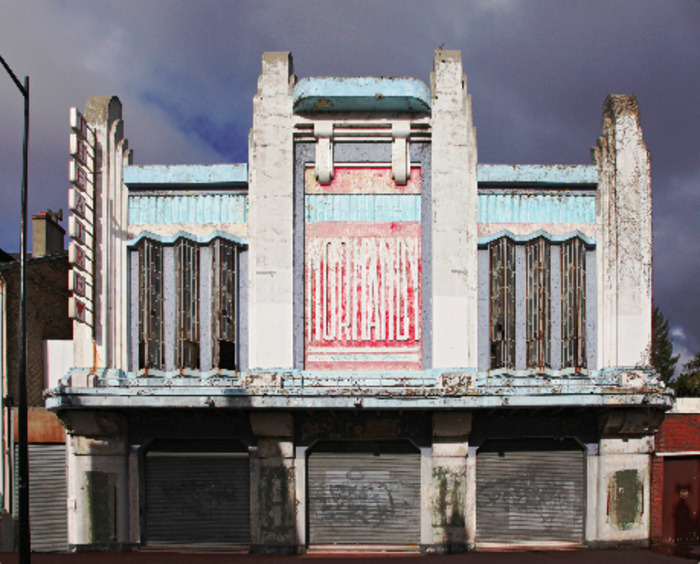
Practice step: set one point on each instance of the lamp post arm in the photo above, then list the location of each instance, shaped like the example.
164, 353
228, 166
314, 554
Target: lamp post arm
22, 89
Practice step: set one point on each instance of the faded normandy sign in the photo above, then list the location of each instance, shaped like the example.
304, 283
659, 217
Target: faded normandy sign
363, 271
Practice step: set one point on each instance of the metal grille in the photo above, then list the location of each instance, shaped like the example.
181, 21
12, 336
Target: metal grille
502, 297
197, 499
530, 491
151, 351
187, 254
224, 269
364, 498
537, 258
48, 513
573, 304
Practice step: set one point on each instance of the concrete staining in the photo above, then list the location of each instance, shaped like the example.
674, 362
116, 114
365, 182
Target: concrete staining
365, 222
361, 94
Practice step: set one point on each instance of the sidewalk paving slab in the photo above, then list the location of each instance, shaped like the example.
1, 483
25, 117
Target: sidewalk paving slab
681, 555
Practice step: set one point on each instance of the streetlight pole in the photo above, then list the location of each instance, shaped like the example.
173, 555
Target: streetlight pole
23, 456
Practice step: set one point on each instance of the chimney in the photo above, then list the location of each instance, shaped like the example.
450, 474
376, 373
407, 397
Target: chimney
47, 234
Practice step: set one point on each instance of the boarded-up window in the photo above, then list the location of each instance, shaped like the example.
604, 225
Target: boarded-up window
151, 350
573, 304
502, 298
187, 254
187, 305
537, 256
224, 269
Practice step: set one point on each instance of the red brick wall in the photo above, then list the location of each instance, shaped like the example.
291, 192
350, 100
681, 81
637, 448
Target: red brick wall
680, 432
47, 318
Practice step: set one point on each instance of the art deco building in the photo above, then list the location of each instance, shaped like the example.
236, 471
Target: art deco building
362, 337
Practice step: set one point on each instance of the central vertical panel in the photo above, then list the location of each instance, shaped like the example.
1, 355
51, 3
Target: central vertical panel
363, 301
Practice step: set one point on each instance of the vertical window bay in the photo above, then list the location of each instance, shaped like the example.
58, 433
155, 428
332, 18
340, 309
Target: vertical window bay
502, 303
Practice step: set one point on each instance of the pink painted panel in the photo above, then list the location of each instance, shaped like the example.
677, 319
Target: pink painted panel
363, 300
361, 180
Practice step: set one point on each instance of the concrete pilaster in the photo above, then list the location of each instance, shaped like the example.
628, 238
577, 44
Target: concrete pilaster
273, 485
454, 221
98, 489
449, 504
619, 480
624, 237
623, 491
103, 343
271, 203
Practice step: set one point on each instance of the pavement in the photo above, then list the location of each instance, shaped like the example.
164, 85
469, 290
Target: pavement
668, 555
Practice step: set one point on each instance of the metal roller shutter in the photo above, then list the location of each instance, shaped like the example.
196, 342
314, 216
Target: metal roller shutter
48, 513
530, 491
197, 498
47, 498
364, 498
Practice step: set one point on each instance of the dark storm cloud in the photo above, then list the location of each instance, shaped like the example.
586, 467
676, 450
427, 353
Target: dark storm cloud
538, 73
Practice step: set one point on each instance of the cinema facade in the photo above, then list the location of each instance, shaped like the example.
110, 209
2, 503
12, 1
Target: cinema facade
363, 338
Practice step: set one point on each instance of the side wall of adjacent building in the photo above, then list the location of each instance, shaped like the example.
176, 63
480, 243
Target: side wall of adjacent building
677, 443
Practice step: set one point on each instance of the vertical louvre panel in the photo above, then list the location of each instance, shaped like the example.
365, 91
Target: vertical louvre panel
364, 498
151, 352
48, 515
187, 254
197, 499
573, 304
502, 301
537, 254
530, 494
224, 305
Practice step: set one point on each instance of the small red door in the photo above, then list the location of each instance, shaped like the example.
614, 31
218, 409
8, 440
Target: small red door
681, 502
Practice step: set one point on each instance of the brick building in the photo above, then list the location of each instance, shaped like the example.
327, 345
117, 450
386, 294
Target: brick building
48, 353
362, 337
675, 495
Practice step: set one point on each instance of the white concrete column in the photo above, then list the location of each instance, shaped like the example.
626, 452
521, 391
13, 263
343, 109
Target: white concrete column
624, 237
98, 488
103, 344
620, 502
449, 505
624, 488
273, 485
270, 217
592, 494
454, 220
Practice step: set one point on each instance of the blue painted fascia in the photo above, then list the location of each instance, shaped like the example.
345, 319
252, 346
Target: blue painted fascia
361, 94
362, 207
537, 174
354, 389
589, 241
200, 239
566, 206
201, 176
187, 206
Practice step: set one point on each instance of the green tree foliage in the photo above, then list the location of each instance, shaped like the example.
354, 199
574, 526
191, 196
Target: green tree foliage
662, 358
687, 385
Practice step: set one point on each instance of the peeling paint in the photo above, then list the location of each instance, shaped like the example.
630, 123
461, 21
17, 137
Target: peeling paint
625, 499
275, 505
449, 507
101, 490
352, 94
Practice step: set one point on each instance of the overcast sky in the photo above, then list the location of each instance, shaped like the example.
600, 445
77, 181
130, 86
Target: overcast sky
538, 72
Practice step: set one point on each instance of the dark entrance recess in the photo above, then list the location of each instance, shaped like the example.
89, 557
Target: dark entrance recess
196, 494
681, 501
364, 493
530, 490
